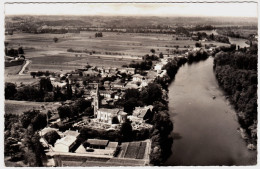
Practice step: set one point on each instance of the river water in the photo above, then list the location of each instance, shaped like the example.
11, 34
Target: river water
205, 129
238, 41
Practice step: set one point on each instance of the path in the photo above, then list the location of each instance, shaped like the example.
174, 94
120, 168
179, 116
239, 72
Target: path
24, 66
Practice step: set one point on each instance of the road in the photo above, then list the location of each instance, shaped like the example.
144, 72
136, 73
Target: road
24, 67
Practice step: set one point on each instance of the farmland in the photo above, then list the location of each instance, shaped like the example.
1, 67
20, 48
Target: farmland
113, 49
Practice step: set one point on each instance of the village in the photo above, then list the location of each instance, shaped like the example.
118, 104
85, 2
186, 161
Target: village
66, 151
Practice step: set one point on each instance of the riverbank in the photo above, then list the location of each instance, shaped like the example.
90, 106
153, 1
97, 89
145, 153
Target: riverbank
236, 73
171, 68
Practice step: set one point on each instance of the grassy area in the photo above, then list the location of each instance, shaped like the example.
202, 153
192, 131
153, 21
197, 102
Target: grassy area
18, 107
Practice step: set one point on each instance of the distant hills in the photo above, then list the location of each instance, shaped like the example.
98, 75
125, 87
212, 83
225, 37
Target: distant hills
131, 21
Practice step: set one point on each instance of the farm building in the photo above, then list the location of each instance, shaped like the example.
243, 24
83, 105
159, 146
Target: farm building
65, 144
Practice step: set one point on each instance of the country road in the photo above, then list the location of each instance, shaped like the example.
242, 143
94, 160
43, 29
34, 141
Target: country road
24, 66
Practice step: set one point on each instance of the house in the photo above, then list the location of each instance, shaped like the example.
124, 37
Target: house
143, 113
144, 83
59, 84
71, 133
158, 67
90, 73
65, 144
107, 93
109, 115
129, 70
195, 37
131, 85
117, 85
118, 96
138, 78
107, 84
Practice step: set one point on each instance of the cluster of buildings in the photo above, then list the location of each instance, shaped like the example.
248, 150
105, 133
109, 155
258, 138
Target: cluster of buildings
103, 93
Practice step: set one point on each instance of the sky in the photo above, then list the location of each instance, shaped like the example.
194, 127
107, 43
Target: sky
134, 9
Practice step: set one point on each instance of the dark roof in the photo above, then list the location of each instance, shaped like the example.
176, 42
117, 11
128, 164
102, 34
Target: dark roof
98, 142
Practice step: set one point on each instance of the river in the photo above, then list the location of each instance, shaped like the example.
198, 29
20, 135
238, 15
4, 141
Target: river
238, 41
205, 129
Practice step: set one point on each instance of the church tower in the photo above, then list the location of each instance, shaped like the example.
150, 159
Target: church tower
96, 100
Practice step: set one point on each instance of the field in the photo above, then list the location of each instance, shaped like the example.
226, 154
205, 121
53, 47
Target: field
113, 49
18, 107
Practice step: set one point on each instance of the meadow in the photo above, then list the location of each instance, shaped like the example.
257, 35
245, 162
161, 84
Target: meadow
11, 106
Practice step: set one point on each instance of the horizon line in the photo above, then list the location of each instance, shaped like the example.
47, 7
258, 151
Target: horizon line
114, 15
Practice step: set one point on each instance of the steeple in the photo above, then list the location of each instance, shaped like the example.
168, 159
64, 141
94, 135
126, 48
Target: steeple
96, 100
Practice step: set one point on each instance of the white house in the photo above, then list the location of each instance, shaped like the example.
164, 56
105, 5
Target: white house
65, 144
107, 115
138, 78
158, 67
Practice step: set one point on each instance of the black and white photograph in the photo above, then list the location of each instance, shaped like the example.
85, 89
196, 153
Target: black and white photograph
129, 83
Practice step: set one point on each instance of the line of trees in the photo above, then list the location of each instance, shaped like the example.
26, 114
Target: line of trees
42, 92
22, 142
98, 34
14, 52
236, 73
217, 38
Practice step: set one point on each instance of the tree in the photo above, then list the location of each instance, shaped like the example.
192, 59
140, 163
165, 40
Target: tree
161, 55
45, 84
198, 44
51, 137
28, 116
115, 120
69, 91
126, 131
33, 74
34, 151
153, 51
39, 122
10, 90
20, 50
82, 104
132, 93
129, 105
151, 93
34, 118
55, 40
64, 112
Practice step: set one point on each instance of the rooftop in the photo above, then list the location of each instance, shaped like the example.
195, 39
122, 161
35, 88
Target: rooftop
46, 130
71, 133
112, 145
68, 140
98, 142
112, 111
